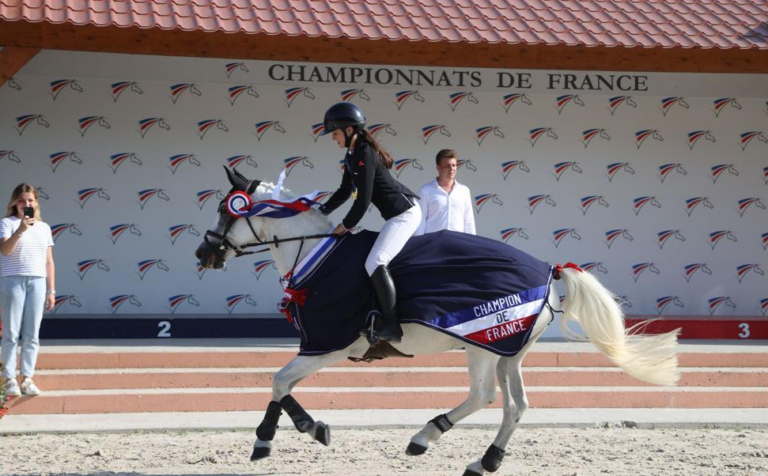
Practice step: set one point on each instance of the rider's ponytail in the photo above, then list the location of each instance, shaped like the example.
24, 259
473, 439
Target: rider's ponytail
385, 158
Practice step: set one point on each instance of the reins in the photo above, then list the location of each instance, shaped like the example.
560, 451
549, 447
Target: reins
226, 245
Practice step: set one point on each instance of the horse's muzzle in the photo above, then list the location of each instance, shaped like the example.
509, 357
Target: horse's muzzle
208, 258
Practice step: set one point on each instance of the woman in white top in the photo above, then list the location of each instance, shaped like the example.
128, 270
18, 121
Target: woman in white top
445, 203
26, 285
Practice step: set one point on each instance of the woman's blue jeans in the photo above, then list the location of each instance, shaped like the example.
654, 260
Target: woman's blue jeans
22, 299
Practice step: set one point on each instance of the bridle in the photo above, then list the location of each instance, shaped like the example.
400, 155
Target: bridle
225, 245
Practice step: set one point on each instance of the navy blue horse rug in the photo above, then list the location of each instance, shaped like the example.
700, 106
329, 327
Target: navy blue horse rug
481, 291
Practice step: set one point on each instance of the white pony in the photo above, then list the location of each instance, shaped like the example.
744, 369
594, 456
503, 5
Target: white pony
649, 358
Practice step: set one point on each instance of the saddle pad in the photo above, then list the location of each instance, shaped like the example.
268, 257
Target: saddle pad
481, 291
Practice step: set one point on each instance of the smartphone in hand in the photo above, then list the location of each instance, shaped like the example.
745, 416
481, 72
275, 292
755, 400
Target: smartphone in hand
29, 212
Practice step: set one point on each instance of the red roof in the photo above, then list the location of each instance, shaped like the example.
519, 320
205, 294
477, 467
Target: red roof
646, 23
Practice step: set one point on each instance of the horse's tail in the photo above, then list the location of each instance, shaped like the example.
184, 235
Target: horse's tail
651, 358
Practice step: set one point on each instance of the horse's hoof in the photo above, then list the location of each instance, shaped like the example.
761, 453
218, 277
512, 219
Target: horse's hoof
323, 433
415, 449
260, 452
469, 472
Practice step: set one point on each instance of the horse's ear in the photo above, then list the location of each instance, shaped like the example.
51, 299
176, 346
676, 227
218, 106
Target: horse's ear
230, 176
240, 176
238, 180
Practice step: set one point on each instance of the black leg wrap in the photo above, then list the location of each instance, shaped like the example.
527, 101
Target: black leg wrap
492, 459
442, 422
301, 419
266, 430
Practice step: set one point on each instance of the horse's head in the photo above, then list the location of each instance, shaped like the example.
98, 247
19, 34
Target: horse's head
135, 88
102, 265
444, 131
657, 136
759, 204
220, 124
135, 231
604, 134
76, 86
194, 90
193, 160
497, 132
103, 123
133, 301
103, 194
134, 158
228, 231
74, 158
471, 98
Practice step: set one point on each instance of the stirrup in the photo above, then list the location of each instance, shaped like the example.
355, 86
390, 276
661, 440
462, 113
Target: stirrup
370, 333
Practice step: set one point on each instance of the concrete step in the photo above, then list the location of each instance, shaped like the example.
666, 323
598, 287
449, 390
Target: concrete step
376, 377
252, 399
250, 358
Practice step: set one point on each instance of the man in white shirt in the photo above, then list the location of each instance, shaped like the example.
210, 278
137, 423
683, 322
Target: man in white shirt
445, 203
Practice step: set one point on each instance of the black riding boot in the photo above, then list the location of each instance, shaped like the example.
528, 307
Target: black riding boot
389, 329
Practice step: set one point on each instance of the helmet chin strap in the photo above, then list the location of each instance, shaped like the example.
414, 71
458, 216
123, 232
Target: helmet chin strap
348, 138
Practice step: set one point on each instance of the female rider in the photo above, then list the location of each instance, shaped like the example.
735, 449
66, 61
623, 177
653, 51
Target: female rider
368, 180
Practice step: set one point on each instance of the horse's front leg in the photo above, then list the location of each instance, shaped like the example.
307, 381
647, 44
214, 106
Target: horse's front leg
282, 384
482, 392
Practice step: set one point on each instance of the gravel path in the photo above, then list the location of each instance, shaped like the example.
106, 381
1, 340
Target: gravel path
540, 452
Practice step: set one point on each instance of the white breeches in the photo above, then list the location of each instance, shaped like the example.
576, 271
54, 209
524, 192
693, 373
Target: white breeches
392, 238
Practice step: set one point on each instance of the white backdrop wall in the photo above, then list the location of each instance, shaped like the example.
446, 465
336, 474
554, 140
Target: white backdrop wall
67, 117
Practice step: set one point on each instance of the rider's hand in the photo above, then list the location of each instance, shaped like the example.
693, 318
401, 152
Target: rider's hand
339, 230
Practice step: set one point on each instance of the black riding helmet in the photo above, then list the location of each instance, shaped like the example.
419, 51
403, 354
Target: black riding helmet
342, 115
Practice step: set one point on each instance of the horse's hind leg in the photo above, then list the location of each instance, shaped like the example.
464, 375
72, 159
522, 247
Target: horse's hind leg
482, 392
283, 382
514, 405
